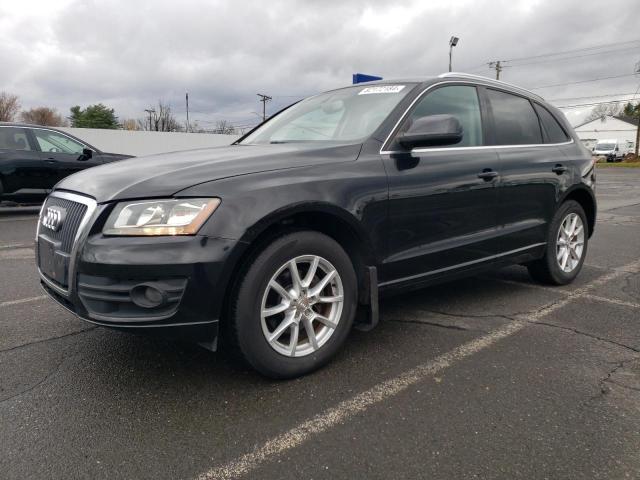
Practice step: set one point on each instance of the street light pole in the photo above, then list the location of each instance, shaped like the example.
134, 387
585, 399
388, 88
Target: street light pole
453, 41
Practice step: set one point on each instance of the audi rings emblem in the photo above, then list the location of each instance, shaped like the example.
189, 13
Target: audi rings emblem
53, 218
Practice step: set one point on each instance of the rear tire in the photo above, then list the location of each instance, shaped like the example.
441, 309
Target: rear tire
286, 324
566, 248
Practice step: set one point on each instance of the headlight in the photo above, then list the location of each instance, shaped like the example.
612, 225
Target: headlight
182, 216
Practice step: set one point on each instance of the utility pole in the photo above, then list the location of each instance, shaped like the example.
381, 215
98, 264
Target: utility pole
187, 100
264, 99
150, 111
498, 66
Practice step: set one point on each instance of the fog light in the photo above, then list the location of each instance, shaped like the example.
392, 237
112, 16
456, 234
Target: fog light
148, 295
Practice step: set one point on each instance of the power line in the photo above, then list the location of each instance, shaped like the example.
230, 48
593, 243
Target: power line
582, 81
589, 96
488, 64
596, 47
570, 57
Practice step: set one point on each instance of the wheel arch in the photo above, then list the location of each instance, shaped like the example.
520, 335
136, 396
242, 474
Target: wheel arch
328, 219
587, 201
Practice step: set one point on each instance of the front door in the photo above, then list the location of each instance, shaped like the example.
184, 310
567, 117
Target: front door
21, 168
63, 153
443, 200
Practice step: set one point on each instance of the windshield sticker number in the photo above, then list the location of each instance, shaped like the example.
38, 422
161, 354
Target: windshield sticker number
381, 89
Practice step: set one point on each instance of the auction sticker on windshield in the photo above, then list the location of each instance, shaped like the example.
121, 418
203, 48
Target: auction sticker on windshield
381, 89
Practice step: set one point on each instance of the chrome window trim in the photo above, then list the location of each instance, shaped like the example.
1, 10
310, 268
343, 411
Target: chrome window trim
459, 265
453, 149
81, 234
492, 81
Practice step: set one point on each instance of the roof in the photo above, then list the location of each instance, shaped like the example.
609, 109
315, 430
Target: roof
622, 118
631, 120
456, 76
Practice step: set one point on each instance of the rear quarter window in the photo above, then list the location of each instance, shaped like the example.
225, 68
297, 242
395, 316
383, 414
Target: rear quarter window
554, 133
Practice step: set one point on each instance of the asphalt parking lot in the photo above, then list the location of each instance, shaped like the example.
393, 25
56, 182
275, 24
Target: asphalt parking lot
488, 377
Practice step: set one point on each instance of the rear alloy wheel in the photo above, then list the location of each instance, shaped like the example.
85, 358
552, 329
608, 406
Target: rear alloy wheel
570, 242
294, 306
566, 246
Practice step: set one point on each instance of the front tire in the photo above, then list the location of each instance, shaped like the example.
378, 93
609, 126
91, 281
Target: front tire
566, 248
294, 306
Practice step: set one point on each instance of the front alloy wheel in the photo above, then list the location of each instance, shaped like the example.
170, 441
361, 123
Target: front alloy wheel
302, 305
293, 306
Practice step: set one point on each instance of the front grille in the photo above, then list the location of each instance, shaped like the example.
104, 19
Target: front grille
67, 233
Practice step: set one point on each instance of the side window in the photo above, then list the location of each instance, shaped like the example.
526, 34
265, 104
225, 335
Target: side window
553, 130
459, 101
50, 141
13, 139
516, 123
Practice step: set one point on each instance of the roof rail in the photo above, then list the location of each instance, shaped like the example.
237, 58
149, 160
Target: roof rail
487, 79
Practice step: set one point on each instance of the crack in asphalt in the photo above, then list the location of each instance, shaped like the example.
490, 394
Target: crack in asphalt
436, 324
42, 381
45, 340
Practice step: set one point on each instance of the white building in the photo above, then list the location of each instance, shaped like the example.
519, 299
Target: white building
622, 129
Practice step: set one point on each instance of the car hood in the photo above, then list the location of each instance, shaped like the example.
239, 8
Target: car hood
166, 174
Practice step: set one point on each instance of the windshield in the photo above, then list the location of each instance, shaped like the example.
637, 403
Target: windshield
348, 114
605, 146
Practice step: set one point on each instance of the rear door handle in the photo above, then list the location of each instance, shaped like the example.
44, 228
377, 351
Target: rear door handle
51, 160
487, 174
559, 169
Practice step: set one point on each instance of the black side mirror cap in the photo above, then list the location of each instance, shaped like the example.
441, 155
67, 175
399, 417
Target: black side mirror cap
431, 131
87, 153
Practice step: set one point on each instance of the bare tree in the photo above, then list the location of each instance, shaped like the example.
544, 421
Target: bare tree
160, 119
131, 124
604, 110
43, 116
224, 127
9, 106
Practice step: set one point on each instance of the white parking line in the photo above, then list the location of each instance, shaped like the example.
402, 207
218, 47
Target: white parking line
390, 388
22, 300
597, 298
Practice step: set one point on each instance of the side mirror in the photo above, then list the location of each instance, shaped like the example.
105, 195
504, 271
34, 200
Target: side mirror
87, 153
432, 130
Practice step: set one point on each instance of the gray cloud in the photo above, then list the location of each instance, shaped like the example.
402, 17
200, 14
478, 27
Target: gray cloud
130, 54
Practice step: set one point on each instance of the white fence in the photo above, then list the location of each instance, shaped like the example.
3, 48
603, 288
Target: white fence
147, 143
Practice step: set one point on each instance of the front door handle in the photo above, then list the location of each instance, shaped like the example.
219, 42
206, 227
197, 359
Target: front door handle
487, 174
559, 169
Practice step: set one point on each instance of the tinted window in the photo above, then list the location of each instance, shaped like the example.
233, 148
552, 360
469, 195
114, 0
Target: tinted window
516, 123
13, 139
554, 132
50, 141
459, 101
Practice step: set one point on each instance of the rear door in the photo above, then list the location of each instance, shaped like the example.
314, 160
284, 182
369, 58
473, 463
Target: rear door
442, 200
63, 153
21, 168
531, 171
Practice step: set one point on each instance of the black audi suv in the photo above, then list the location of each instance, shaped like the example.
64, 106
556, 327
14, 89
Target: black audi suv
34, 158
272, 245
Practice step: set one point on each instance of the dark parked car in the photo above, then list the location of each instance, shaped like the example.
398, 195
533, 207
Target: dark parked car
274, 243
33, 159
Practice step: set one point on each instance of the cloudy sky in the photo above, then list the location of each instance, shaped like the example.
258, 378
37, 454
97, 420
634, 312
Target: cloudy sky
129, 54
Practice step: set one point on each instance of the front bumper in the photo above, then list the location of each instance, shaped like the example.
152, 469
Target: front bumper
110, 272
